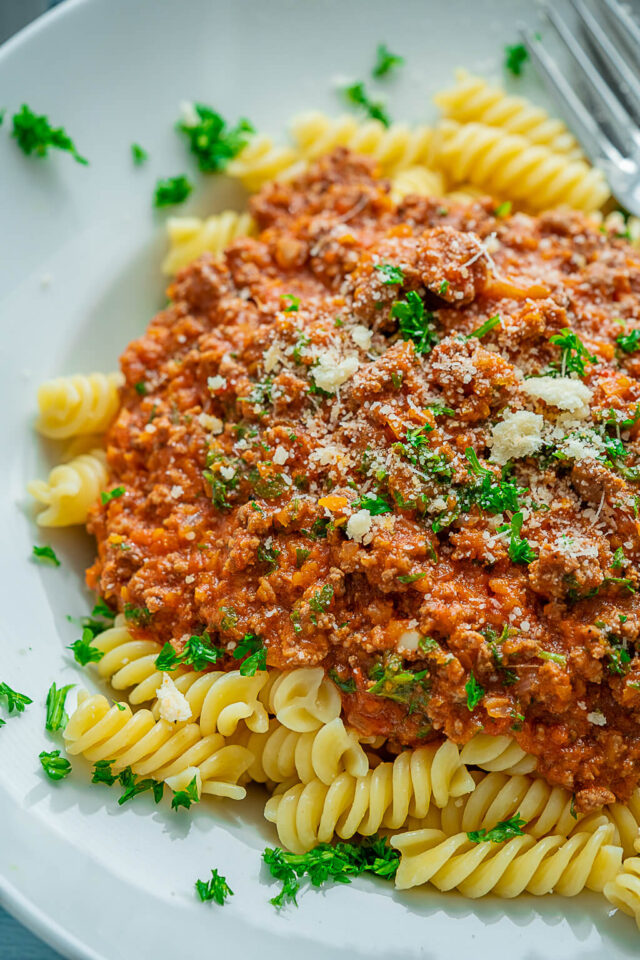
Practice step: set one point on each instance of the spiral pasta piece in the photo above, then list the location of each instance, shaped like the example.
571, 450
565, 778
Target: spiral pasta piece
83, 403
311, 813
627, 819
303, 699
70, 490
623, 891
553, 863
500, 754
219, 701
190, 237
473, 100
395, 148
420, 181
157, 749
282, 754
261, 161
498, 796
128, 664
510, 167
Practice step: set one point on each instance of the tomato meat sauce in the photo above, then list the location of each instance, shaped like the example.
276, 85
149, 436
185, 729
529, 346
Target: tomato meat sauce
399, 441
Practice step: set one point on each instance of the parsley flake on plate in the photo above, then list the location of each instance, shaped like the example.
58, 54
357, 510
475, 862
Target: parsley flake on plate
55, 766
15, 701
386, 61
35, 134
171, 190
56, 716
184, 798
45, 554
211, 140
216, 889
515, 56
356, 94
83, 650
139, 154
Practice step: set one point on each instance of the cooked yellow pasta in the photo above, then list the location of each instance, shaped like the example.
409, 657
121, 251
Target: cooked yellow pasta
303, 699
627, 819
498, 796
261, 161
311, 813
623, 890
420, 181
524, 863
128, 664
70, 490
154, 748
220, 701
474, 100
83, 403
510, 167
395, 148
282, 754
501, 754
190, 237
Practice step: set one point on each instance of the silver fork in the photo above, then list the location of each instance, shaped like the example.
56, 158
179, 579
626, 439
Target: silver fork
610, 133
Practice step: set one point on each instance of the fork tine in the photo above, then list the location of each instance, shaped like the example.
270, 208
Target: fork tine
623, 72
615, 113
624, 23
597, 146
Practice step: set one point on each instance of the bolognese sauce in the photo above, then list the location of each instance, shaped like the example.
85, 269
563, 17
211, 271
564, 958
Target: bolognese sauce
399, 441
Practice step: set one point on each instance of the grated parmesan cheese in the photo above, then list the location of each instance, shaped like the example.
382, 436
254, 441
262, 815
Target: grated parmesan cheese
562, 392
359, 525
597, 718
331, 373
173, 705
216, 383
516, 435
281, 455
213, 424
362, 336
408, 640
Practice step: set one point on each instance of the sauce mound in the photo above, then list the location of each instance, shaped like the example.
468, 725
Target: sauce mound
399, 441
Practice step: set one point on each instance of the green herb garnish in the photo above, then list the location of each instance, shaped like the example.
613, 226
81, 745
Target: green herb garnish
171, 190
629, 342
390, 274
216, 889
139, 154
46, 555
184, 798
35, 134
414, 322
83, 649
55, 766
475, 692
515, 56
211, 140
56, 716
485, 327
356, 94
385, 61
574, 353
253, 648
15, 701
107, 496
503, 830
376, 505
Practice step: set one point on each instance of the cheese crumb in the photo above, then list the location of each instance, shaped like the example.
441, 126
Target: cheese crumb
359, 525
213, 424
516, 435
173, 706
176, 491
362, 336
331, 373
281, 455
562, 392
216, 383
408, 640
597, 718
272, 358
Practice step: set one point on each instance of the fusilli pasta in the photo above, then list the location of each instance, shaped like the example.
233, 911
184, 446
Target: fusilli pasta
70, 490
100, 731
311, 813
282, 754
510, 167
128, 664
83, 403
395, 148
261, 161
190, 237
500, 754
473, 100
219, 701
553, 863
623, 891
303, 699
420, 181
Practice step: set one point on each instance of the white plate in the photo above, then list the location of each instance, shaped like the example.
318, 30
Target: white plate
79, 277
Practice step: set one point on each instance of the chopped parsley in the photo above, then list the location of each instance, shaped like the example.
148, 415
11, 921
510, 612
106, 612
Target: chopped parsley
442, 289
141, 388
56, 716
15, 701
102, 773
139, 154
629, 342
211, 140
489, 493
347, 686
619, 559
55, 766
197, 652
338, 863
519, 550
269, 555
558, 658
184, 798
253, 649
301, 556
385, 61
356, 94
574, 353
475, 692
321, 601
395, 682
619, 660
503, 209
414, 322
485, 327
139, 615
83, 650
171, 190
46, 555
133, 786
503, 830
515, 56
390, 274
216, 889
293, 304
412, 577
107, 496
375, 505
35, 134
